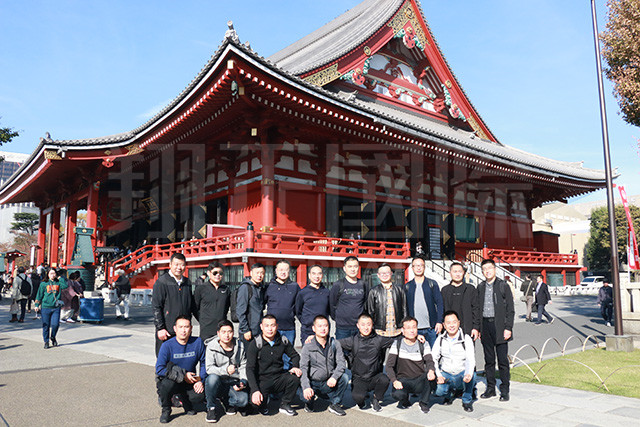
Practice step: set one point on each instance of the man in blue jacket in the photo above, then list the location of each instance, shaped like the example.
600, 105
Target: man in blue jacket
312, 301
250, 303
424, 301
280, 298
176, 369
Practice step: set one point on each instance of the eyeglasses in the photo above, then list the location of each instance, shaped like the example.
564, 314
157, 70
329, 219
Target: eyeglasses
216, 273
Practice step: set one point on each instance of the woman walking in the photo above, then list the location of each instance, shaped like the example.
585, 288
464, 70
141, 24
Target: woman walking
48, 299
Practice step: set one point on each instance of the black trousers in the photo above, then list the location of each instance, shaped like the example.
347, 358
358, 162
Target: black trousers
491, 349
360, 387
167, 388
284, 383
420, 386
23, 307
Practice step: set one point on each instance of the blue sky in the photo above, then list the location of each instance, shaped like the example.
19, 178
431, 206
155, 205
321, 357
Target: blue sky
80, 69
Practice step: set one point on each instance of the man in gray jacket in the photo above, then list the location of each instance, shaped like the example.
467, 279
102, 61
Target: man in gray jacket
226, 363
323, 364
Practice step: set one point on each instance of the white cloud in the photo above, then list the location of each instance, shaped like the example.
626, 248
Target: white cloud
154, 110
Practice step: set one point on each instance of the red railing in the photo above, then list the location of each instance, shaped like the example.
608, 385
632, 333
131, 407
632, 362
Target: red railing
529, 257
263, 242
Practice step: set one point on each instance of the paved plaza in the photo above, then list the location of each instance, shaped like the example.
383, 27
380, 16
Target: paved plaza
102, 375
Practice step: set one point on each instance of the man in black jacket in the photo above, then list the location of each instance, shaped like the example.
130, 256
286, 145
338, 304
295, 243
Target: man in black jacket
543, 297
211, 301
348, 299
387, 318
496, 300
367, 351
171, 298
123, 292
265, 368
250, 303
462, 298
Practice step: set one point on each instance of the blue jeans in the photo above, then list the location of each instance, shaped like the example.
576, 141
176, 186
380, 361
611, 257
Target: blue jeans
429, 334
50, 322
455, 382
219, 387
291, 336
345, 332
334, 395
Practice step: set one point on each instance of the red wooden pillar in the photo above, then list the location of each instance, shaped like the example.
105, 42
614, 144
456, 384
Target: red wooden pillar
544, 275
92, 211
42, 238
72, 216
55, 236
268, 184
564, 277
301, 275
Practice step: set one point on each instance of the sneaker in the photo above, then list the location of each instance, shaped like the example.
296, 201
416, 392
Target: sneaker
175, 401
375, 405
608, 323
361, 406
403, 404
424, 408
191, 412
447, 401
118, 317
166, 416
46, 345
308, 406
468, 407
551, 321
264, 409
286, 409
335, 408
54, 342
71, 321
212, 416
245, 411
230, 410
63, 321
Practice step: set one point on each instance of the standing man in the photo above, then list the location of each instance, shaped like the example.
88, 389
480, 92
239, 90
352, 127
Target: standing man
171, 298
387, 304
176, 369
348, 299
250, 303
462, 298
312, 301
543, 297
424, 301
265, 368
226, 373
527, 290
211, 301
605, 299
323, 364
280, 298
123, 292
21, 292
410, 367
496, 331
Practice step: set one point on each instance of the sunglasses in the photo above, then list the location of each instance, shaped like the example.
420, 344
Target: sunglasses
216, 273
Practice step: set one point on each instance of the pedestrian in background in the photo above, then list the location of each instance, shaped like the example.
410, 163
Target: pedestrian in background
48, 298
527, 290
543, 297
605, 299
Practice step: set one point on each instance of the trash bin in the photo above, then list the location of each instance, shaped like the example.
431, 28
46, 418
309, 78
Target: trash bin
91, 310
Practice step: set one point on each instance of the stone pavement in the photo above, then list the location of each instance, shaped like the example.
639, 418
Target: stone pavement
103, 375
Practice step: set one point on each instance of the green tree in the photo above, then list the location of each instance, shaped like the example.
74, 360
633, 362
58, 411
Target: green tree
25, 222
7, 134
621, 51
599, 246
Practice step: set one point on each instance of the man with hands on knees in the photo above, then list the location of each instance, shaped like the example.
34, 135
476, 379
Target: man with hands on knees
176, 369
454, 357
323, 364
265, 368
226, 373
410, 367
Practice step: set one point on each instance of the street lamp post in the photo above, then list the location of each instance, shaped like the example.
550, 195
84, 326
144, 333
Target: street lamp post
615, 275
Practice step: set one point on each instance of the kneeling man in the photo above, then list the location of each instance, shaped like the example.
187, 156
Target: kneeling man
410, 367
176, 369
455, 361
323, 364
265, 368
226, 373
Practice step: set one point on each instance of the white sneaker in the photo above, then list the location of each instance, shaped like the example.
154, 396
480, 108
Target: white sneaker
71, 321
608, 323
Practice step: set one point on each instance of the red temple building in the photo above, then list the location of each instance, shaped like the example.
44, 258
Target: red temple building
356, 139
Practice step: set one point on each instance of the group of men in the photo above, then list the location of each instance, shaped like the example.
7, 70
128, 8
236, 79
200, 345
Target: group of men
429, 335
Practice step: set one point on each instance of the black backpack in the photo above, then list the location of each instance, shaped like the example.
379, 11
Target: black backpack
25, 286
233, 303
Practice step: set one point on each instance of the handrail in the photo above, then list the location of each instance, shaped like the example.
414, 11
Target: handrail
473, 264
433, 263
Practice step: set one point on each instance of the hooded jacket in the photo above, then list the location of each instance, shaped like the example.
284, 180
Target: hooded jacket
217, 360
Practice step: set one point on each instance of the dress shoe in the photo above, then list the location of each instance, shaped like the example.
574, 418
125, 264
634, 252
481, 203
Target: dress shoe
487, 394
46, 345
504, 397
54, 342
468, 407
447, 401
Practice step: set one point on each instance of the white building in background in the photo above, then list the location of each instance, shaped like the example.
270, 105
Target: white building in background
10, 164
